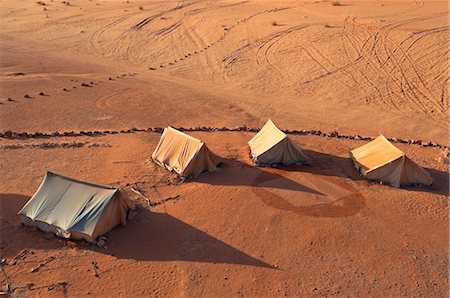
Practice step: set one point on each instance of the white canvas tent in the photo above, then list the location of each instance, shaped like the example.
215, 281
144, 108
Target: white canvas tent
271, 146
183, 154
71, 208
382, 161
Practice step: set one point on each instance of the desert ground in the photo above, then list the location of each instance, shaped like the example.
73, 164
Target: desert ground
86, 87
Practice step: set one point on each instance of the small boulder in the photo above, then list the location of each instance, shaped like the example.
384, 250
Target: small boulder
101, 243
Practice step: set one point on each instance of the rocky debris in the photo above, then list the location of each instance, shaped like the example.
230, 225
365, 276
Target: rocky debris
16, 74
27, 96
42, 93
45, 145
334, 134
8, 134
85, 85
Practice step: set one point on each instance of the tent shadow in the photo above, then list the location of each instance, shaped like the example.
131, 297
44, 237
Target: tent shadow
440, 184
154, 236
265, 180
149, 236
15, 237
341, 207
330, 165
236, 173
327, 165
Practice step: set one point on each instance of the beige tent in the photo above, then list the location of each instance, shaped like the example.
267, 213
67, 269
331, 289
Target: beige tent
183, 154
380, 160
271, 146
72, 208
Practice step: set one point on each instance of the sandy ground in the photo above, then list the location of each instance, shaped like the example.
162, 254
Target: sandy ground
360, 67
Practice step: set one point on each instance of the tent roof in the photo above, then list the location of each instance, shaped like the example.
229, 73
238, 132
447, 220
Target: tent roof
184, 135
266, 138
376, 153
68, 204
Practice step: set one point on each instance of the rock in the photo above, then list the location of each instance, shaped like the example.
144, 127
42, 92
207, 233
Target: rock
27, 96
334, 134
10, 99
101, 243
41, 93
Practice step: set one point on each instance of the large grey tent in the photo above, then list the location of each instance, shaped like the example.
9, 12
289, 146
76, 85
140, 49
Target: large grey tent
271, 146
71, 208
183, 154
380, 160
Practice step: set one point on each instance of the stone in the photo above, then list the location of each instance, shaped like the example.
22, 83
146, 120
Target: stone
101, 243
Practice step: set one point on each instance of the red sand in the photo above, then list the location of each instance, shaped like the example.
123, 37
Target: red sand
321, 230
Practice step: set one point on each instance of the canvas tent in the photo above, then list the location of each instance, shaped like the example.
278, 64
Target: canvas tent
183, 154
75, 209
271, 146
382, 161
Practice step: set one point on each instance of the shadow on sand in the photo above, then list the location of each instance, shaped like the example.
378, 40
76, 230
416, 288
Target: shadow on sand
265, 182
237, 173
149, 236
321, 164
161, 237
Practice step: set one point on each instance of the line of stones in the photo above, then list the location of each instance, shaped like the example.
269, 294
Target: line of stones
25, 135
